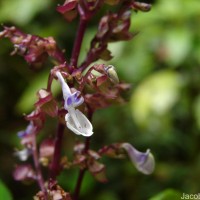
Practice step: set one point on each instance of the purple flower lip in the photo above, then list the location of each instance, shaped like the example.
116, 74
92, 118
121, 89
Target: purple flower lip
29, 130
74, 100
22, 134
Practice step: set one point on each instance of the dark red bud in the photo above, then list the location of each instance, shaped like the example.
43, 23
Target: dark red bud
141, 6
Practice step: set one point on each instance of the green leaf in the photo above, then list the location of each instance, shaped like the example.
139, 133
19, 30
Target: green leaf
167, 195
4, 192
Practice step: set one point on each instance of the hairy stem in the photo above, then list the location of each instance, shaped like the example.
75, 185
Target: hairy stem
78, 41
55, 165
40, 179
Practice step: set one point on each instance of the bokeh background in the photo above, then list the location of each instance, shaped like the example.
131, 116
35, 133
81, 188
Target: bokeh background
162, 63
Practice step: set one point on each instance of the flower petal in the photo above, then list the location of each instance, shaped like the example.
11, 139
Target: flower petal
65, 88
23, 154
70, 124
78, 123
144, 162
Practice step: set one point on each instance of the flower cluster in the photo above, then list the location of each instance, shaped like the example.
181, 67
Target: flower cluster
86, 87
34, 49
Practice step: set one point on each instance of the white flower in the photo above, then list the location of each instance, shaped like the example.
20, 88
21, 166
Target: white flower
76, 121
23, 154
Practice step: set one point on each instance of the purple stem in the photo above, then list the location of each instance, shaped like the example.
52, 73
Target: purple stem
78, 184
55, 165
74, 60
40, 179
78, 41
49, 83
81, 173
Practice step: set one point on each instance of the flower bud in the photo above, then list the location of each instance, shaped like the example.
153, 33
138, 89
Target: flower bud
141, 6
112, 74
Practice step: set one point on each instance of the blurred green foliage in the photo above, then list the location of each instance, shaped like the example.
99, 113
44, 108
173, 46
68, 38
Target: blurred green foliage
167, 194
4, 192
162, 63
21, 12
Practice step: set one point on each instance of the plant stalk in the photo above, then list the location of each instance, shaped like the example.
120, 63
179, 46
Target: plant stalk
55, 165
40, 179
78, 42
81, 173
